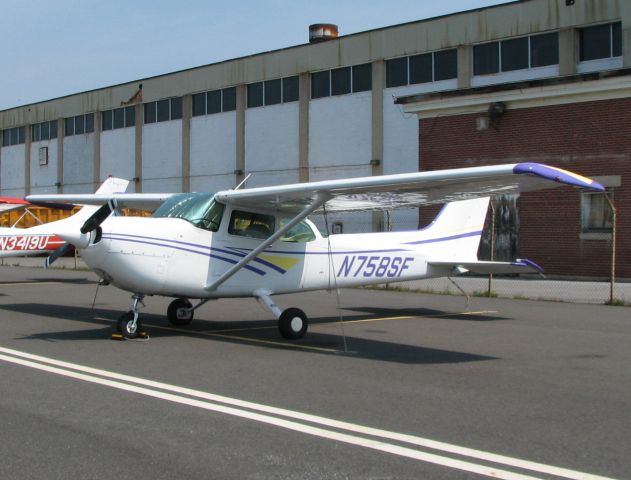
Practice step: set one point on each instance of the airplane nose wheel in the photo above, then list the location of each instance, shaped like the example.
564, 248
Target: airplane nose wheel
128, 323
179, 312
293, 323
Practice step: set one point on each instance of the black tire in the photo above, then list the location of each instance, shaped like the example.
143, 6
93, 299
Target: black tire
293, 323
125, 323
176, 315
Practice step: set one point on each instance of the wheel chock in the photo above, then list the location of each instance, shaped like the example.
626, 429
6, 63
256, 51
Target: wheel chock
142, 335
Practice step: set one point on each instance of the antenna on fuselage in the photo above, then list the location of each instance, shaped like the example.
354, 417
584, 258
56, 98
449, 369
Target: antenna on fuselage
243, 181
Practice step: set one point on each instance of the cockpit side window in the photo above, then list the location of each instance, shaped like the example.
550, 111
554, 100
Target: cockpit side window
249, 224
211, 218
299, 233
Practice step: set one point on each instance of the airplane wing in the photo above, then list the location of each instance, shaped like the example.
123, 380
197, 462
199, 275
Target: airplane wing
384, 192
148, 201
8, 204
486, 267
408, 190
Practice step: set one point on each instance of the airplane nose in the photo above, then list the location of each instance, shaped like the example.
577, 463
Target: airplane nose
76, 238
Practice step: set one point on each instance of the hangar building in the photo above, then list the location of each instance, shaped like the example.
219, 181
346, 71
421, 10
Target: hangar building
530, 80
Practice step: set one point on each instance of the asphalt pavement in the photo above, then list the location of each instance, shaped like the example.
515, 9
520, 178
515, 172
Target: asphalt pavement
390, 385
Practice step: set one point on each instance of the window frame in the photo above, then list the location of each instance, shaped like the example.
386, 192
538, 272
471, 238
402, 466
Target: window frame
612, 48
587, 229
529, 54
406, 61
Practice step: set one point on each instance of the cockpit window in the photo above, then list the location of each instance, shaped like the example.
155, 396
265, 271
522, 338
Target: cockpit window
299, 233
249, 224
200, 209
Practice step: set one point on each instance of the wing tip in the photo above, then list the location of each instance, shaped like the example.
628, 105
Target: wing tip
524, 262
557, 175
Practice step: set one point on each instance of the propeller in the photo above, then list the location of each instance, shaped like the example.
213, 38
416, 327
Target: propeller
82, 239
98, 217
61, 251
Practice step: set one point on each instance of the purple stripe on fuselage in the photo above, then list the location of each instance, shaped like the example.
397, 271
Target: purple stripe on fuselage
211, 255
445, 239
205, 247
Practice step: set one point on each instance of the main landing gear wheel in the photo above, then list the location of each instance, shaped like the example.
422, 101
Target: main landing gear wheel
293, 323
179, 312
127, 327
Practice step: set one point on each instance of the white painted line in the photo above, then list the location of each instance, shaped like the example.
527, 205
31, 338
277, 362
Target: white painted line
292, 425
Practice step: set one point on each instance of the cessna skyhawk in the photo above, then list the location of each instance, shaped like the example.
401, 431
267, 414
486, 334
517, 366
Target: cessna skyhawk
258, 242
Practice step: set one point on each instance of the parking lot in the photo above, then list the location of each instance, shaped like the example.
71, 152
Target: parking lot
390, 385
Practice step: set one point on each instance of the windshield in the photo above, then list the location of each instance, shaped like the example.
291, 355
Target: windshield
200, 209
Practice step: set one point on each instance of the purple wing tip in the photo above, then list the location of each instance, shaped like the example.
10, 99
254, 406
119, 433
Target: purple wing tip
524, 262
558, 175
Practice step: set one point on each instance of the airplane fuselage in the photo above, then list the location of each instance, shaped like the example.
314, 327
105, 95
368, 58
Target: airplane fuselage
27, 241
171, 257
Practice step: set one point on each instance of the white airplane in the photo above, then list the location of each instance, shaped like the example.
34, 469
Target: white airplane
41, 239
258, 242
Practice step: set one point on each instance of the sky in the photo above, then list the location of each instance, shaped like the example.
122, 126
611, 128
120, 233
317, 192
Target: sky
53, 48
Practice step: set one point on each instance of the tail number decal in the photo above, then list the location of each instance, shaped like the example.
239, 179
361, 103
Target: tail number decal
373, 266
28, 242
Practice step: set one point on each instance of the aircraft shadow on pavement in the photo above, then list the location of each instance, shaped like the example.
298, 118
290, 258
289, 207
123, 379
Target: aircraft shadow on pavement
38, 281
428, 312
258, 333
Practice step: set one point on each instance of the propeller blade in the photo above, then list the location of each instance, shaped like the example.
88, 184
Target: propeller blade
99, 216
56, 254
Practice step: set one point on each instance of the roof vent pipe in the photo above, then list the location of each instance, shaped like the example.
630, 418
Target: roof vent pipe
320, 32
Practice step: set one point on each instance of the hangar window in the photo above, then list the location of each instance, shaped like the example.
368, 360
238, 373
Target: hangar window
362, 77
516, 54
596, 214
163, 110
321, 84
255, 95
229, 99
272, 92
44, 131
13, 136
291, 89
544, 49
423, 68
397, 72
445, 64
600, 41
199, 104
118, 118
486, 58
150, 112
79, 124
340, 81
213, 101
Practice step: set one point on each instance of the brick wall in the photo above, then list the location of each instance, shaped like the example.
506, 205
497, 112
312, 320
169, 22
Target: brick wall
592, 138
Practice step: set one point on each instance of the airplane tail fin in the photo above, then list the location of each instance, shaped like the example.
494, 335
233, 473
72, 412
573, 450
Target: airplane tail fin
455, 232
109, 186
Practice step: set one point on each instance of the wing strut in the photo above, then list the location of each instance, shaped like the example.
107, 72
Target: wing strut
320, 199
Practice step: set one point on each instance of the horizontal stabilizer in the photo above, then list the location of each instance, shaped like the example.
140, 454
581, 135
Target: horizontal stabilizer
487, 267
